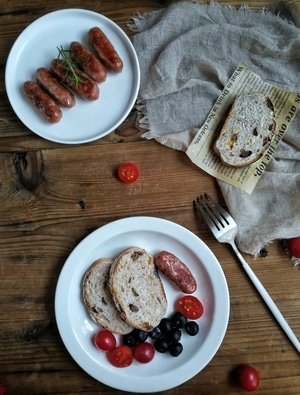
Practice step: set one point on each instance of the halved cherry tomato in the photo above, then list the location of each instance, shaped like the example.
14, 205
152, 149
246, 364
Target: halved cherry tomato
294, 246
105, 340
128, 172
247, 377
190, 307
120, 357
143, 352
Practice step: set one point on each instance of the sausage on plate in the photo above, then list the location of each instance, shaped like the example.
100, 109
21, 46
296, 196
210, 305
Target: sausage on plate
87, 61
105, 50
176, 270
55, 89
42, 102
85, 87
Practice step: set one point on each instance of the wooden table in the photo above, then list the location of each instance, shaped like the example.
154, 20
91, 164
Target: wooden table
53, 195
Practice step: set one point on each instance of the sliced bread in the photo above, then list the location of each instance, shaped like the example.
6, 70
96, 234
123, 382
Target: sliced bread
247, 131
98, 300
137, 289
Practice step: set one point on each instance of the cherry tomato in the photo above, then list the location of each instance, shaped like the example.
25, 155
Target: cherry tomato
120, 357
105, 340
190, 307
128, 172
143, 352
294, 246
248, 377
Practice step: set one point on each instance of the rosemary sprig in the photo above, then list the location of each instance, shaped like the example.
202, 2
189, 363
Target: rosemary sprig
69, 66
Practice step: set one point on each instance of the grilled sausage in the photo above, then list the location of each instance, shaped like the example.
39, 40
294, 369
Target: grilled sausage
105, 50
54, 88
42, 102
177, 271
85, 87
87, 61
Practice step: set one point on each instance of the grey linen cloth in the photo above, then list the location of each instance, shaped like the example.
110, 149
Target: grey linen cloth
187, 52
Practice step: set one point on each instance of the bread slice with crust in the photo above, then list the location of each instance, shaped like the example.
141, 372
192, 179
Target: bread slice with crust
247, 131
99, 301
137, 289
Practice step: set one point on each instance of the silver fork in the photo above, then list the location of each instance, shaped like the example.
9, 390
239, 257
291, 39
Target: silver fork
224, 228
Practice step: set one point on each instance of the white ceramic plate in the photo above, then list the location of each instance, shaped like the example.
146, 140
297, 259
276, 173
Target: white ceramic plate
37, 46
153, 234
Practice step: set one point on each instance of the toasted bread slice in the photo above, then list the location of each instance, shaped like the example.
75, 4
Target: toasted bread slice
98, 300
247, 131
137, 289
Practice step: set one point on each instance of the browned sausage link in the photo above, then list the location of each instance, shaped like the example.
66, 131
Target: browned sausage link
105, 50
177, 271
85, 88
55, 89
87, 61
42, 102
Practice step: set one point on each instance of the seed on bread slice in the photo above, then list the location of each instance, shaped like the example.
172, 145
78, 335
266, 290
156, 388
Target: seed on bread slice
137, 289
247, 131
99, 301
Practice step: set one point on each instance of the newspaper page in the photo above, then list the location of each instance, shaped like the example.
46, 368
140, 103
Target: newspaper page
243, 80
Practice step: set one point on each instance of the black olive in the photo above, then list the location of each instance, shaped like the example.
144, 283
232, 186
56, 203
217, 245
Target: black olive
178, 320
165, 325
192, 328
155, 333
175, 349
129, 340
139, 335
161, 345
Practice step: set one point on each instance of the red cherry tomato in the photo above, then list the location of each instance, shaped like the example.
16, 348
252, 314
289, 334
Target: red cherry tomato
190, 307
105, 340
128, 172
144, 352
294, 246
120, 357
248, 377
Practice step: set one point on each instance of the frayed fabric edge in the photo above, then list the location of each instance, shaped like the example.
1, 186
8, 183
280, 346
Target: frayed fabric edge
296, 261
246, 7
148, 135
135, 22
142, 121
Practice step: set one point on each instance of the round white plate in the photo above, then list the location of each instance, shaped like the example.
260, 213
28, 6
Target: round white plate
153, 234
37, 46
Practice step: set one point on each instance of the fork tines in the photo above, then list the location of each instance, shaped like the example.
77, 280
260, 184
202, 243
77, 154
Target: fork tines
211, 211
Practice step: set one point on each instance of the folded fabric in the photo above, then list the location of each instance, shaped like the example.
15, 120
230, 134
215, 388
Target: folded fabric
187, 52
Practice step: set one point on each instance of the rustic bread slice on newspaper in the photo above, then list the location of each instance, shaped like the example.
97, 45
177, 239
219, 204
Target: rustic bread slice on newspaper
98, 300
137, 289
247, 131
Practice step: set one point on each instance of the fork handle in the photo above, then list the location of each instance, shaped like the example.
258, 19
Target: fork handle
268, 300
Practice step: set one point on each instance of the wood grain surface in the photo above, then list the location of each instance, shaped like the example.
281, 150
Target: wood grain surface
53, 195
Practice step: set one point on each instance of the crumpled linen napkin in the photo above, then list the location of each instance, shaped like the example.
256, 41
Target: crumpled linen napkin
187, 52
